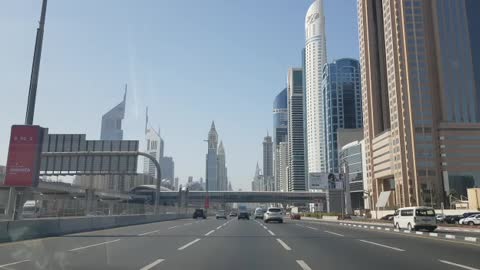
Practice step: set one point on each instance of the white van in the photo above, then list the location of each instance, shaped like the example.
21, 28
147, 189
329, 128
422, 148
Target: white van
415, 218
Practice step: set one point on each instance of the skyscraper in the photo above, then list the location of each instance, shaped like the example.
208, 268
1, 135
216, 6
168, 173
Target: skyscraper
296, 147
420, 64
222, 168
168, 169
268, 163
211, 160
280, 131
152, 140
282, 150
112, 121
315, 59
343, 104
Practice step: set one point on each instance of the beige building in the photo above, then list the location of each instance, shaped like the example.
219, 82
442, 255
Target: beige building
113, 183
420, 63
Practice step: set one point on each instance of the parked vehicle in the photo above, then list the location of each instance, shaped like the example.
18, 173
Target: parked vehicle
440, 218
453, 219
471, 220
388, 217
415, 218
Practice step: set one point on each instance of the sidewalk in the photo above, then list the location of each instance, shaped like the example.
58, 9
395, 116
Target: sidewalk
439, 228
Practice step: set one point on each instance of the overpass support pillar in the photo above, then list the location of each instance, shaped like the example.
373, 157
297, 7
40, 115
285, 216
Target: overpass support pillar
90, 201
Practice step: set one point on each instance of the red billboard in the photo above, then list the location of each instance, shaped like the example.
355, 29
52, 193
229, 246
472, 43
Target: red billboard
24, 156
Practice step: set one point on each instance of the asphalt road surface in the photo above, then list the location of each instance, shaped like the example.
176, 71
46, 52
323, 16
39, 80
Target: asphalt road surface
239, 244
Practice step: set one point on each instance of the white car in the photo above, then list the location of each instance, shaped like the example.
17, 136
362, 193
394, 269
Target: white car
273, 214
259, 212
415, 218
221, 214
471, 220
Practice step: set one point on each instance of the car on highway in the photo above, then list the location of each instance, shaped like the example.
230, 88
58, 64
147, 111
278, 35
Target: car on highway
232, 214
199, 213
295, 216
258, 213
415, 218
471, 220
273, 214
221, 214
243, 215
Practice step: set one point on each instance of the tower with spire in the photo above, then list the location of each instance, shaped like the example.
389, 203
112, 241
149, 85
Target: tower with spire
216, 169
111, 128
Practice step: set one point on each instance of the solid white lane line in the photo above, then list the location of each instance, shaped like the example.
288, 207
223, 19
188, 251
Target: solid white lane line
150, 266
303, 265
146, 233
210, 232
458, 265
13, 263
337, 234
173, 227
189, 244
94, 245
218, 228
270, 232
285, 246
312, 228
380, 245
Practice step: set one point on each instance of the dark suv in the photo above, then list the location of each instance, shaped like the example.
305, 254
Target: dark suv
199, 213
243, 215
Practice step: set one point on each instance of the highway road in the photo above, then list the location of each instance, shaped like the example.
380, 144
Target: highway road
239, 244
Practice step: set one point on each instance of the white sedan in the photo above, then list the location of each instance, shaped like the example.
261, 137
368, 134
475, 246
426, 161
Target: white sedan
471, 220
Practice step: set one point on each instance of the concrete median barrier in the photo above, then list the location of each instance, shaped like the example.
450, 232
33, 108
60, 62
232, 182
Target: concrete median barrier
38, 228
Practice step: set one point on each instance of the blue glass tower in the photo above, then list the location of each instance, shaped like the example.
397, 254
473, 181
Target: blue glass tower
343, 103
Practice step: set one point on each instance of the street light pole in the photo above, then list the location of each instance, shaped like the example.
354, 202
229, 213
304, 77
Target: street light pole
37, 54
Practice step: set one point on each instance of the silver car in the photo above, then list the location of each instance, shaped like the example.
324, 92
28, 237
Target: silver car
273, 214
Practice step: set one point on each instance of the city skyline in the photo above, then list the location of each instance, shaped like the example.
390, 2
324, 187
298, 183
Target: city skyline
148, 65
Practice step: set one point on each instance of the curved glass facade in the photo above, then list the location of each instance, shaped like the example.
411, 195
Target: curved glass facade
280, 117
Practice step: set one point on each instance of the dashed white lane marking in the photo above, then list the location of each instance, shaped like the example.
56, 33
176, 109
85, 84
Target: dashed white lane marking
312, 228
210, 232
458, 265
303, 265
419, 233
285, 246
450, 236
337, 234
186, 224
270, 232
188, 244
380, 245
218, 228
150, 266
299, 225
94, 245
173, 227
470, 239
13, 263
146, 233
433, 234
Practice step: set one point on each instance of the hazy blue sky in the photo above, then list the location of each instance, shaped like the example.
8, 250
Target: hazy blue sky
190, 61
